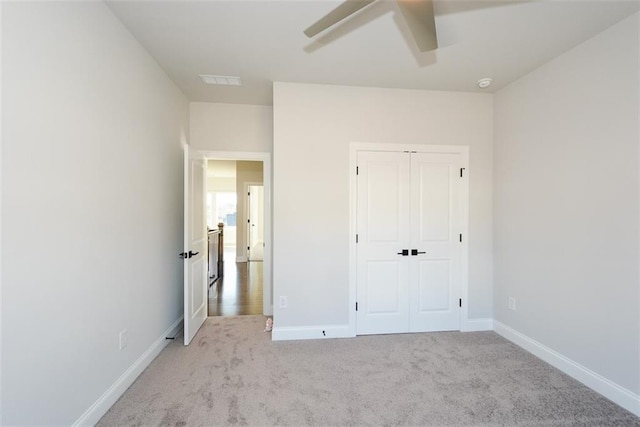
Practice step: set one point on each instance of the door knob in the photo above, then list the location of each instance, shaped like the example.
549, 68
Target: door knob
192, 254
415, 252
405, 252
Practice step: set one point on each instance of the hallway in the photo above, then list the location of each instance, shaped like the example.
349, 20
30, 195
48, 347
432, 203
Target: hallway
239, 290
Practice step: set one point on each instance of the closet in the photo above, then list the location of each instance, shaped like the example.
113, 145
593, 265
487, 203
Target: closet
411, 212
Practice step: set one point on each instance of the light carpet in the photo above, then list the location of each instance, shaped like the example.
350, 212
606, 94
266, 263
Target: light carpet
233, 374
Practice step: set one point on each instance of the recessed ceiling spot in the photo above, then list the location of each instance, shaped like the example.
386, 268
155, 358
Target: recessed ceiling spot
484, 83
211, 79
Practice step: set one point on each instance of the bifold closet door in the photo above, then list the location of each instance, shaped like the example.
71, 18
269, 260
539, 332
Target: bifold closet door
408, 251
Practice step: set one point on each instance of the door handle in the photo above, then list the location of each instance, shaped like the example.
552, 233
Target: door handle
405, 252
415, 252
187, 255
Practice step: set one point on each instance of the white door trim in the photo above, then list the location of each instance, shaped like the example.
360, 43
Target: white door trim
265, 158
354, 147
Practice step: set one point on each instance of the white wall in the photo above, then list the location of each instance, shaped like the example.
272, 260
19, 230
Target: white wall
238, 132
231, 127
221, 184
92, 207
313, 127
566, 205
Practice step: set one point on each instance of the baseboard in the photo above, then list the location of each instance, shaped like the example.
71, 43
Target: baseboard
477, 325
619, 395
310, 332
102, 405
342, 331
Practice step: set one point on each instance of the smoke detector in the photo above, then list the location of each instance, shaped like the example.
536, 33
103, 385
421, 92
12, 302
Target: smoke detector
484, 83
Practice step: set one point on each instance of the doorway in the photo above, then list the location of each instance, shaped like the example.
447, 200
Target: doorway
243, 287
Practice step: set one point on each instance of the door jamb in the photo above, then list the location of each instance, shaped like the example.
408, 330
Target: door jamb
267, 272
354, 148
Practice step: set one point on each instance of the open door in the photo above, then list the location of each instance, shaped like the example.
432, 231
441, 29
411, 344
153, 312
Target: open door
195, 243
255, 231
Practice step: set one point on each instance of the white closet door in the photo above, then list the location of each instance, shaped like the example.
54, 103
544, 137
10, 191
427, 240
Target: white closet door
408, 202
383, 232
435, 233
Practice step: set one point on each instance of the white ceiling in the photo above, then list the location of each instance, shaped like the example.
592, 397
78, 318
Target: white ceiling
261, 41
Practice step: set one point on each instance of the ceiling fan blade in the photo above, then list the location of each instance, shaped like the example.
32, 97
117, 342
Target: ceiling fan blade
346, 9
418, 14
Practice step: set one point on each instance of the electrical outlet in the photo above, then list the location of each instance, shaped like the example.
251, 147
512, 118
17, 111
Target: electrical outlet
512, 303
283, 302
123, 339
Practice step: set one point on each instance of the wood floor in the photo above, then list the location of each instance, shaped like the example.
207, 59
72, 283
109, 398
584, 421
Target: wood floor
239, 290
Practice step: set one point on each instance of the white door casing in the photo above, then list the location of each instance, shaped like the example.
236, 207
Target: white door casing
195, 243
414, 201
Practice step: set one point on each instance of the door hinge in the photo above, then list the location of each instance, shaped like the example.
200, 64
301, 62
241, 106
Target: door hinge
248, 248
356, 238
356, 306
356, 170
460, 302
249, 194
461, 237
461, 170
249, 221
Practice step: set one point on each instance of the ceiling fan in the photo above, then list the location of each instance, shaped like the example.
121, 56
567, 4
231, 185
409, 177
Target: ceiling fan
418, 14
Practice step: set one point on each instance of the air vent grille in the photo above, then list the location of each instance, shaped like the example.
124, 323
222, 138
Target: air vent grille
221, 80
